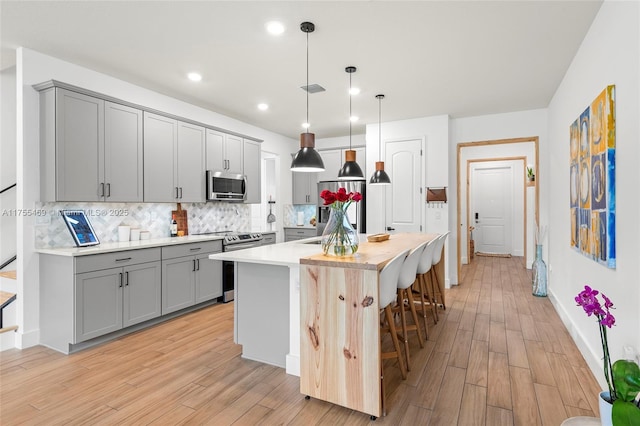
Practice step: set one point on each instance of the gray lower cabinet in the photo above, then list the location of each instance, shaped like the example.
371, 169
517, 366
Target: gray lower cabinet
292, 234
110, 299
268, 238
188, 276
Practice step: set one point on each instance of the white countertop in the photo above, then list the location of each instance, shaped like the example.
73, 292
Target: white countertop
129, 245
284, 254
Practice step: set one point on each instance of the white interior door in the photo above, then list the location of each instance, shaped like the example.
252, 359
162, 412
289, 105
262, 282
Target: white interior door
491, 208
403, 163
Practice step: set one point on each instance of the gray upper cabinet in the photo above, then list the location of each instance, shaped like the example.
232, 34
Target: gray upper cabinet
252, 169
224, 152
173, 160
122, 153
91, 149
190, 163
305, 188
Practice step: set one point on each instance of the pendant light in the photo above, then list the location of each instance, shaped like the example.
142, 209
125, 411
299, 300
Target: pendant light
307, 159
350, 170
380, 177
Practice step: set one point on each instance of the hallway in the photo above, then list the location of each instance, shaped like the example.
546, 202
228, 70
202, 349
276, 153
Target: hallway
498, 356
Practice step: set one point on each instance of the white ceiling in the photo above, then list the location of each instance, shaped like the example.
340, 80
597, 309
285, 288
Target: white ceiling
427, 57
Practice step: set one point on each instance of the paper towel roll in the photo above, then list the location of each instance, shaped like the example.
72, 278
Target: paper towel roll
123, 233
300, 218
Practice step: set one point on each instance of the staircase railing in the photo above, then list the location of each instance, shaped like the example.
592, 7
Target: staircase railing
8, 261
8, 188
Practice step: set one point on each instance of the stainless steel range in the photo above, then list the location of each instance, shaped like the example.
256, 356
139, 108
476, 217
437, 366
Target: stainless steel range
234, 241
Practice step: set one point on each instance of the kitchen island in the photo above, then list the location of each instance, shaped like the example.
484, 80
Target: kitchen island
267, 282
340, 354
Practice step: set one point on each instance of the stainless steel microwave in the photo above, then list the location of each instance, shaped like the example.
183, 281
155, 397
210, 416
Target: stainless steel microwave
223, 186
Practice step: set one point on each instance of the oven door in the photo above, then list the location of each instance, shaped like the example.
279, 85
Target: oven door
228, 268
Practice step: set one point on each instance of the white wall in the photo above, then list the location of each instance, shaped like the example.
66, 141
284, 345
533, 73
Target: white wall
33, 68
341, 142
435, 133
7, 166
609, 54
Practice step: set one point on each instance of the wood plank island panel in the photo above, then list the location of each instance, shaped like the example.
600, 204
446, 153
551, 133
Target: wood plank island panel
340, 359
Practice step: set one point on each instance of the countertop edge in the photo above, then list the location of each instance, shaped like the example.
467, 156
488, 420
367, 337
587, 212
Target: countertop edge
129, 245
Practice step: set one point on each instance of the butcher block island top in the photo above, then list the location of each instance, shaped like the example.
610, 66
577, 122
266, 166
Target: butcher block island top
340, 347
370, 255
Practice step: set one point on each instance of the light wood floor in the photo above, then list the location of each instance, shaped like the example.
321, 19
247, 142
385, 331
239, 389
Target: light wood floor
497, 356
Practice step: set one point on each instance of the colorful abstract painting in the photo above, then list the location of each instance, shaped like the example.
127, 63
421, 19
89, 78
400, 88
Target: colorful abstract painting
592, 180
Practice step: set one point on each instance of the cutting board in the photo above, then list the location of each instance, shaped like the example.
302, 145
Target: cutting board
181, 220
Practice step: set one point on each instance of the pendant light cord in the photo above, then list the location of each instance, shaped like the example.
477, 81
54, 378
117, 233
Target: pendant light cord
308, 124
380, 128
350, 96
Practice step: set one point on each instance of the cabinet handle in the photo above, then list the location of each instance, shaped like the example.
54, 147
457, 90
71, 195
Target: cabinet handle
194, 265
126, 278
123, 259
198, 263
180, 192
108, 190
195, 249
120, 280
102, 190
177, 192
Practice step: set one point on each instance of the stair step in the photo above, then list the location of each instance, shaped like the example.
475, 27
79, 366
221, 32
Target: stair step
8, 274
10, 328
4, 297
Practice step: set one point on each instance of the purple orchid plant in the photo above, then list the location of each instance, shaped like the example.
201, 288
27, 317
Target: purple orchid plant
588, 299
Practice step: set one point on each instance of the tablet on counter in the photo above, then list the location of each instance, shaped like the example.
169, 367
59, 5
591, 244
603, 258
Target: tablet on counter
80, 228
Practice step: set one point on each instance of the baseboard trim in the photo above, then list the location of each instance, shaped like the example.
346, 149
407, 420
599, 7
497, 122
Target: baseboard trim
593, 359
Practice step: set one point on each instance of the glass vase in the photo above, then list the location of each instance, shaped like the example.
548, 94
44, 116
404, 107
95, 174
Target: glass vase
339, 238
539, 274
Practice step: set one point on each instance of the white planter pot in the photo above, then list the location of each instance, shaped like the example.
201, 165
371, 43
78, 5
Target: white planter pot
605, 409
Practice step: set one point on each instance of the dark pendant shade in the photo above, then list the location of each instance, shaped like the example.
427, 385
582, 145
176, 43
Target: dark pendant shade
307, 159
380, 177
350, 170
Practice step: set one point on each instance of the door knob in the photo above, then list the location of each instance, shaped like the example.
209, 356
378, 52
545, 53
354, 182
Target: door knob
390, 228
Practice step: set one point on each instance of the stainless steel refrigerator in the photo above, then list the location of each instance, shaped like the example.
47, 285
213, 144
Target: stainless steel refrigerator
357, 212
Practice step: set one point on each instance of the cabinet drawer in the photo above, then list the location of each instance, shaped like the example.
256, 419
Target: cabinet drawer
268, 239
96, 262
191, 249
306, 233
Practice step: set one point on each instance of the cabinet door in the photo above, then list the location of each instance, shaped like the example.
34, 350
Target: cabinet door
208, 278
305, 188
98, 303
333, 161
122, 153
160, 134
191, 160
233, 154
178, 288
253, 171
215, 151
79, 144
142, 293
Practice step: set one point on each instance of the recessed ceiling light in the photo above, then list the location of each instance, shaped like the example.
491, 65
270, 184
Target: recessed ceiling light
354, 118
194, 76
306, 125
354, 91
275, 27
263, 107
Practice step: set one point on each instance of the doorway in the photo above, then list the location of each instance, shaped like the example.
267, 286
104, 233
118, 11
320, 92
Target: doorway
500, 149
403, 163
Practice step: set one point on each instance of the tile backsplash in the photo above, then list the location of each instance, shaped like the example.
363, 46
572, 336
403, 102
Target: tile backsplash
291, 213
50, 230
